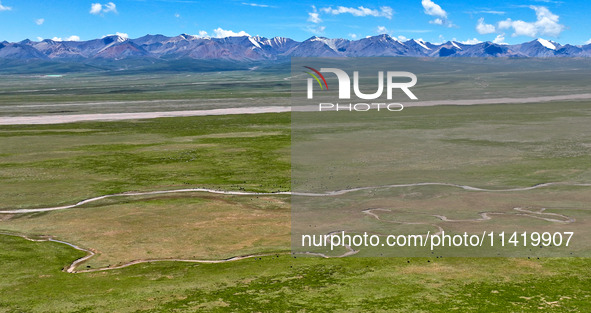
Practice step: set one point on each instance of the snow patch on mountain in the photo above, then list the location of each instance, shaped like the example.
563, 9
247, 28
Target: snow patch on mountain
255, 42
421, 43
329, 42
547, 44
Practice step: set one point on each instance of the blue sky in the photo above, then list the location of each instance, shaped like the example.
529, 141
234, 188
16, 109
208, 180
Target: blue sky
430, 20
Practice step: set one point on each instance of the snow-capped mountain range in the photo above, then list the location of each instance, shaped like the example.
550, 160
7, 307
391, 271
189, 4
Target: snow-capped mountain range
277, 48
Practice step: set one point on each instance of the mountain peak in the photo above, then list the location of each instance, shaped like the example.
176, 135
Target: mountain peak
256, 48
187, 36
316, 38
116, 37
546, 43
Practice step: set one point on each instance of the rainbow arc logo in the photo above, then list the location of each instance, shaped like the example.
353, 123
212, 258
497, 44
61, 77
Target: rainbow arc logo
316, 77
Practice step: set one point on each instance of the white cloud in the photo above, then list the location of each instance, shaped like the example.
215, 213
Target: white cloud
524, 29
202, 33
433, 9
71, 38
122, 35
588, 42
318, 30
4, 8
505, 24
486, 11
177, 15
384, 11
110, 7
492, 12
442, 22
40, 21
222, 33
354, 36
387, 12
256, 5
97, 8
314, 17
500, 39
39, 39
382, 30
483, 28
402, 38
472, 41
550, 1
436, 21
546, 23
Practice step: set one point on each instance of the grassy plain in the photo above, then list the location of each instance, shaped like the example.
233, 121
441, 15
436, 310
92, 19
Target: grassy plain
32, 281
495, 146
63, 164
187, 226
48, 165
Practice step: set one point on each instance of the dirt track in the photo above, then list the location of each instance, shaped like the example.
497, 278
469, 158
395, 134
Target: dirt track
64, 118
304, 194
61, 119
72, 267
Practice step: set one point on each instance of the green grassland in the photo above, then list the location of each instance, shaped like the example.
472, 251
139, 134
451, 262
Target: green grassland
418, 210
63, 164
51, 165
79, 93
129, 156
495, 146
32, 281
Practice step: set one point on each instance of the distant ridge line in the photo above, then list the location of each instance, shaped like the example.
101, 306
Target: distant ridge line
248, 49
